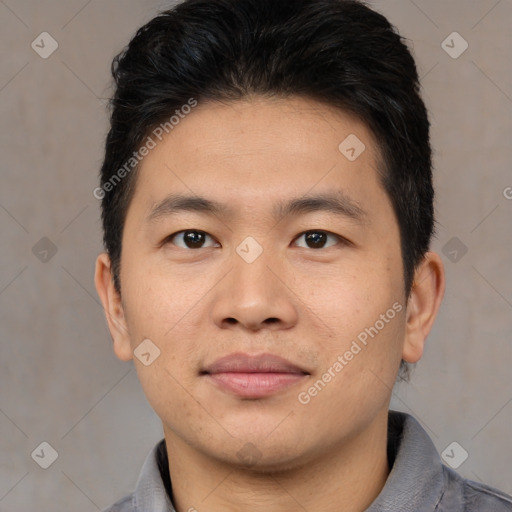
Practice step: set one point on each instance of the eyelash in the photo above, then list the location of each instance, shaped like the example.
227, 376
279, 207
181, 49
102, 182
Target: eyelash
339, 238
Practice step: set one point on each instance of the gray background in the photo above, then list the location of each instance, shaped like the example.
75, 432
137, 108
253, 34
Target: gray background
61, 382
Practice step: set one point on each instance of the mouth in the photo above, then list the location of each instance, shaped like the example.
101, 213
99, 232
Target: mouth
253, 377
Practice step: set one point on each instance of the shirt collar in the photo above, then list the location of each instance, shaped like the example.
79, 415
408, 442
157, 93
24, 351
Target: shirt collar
150, 492
415, 483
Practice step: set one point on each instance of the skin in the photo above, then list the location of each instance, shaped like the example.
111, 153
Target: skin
303, 303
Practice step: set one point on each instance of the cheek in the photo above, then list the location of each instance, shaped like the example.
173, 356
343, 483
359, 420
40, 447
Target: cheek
164, 307
156, 300
365, 311
162, 310
351, 299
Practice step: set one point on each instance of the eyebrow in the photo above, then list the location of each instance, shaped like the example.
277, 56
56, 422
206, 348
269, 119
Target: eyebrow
337, 203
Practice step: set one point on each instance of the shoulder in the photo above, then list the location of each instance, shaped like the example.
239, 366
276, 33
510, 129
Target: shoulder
420, 481
150, 493
474, 496
123, 505
479, 496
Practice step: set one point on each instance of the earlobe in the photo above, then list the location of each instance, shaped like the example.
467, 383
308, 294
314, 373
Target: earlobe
423, 304
113, 307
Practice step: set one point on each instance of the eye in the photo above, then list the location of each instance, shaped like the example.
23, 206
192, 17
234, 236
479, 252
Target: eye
318, 239
189, 239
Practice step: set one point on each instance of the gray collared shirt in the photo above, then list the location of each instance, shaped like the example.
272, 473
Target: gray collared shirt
418, 481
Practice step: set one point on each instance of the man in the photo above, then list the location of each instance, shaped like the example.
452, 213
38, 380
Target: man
267, 212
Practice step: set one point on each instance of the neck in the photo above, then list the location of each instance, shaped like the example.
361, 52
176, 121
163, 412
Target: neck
349, 477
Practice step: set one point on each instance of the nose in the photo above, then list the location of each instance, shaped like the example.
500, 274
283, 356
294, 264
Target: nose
255, 296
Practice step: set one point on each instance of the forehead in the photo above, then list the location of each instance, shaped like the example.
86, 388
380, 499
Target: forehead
296, 125
261, 149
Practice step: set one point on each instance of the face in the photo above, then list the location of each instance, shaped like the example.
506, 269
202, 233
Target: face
276, 302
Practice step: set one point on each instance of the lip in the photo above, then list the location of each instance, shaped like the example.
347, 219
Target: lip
253, 376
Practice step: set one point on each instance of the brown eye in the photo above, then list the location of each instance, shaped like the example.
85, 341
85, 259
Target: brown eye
190, 239
318, 239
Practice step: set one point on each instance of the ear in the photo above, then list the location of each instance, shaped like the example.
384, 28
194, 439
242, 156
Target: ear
113, 307
423, 304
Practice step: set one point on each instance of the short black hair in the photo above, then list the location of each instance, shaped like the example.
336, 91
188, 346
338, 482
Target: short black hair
338, 52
